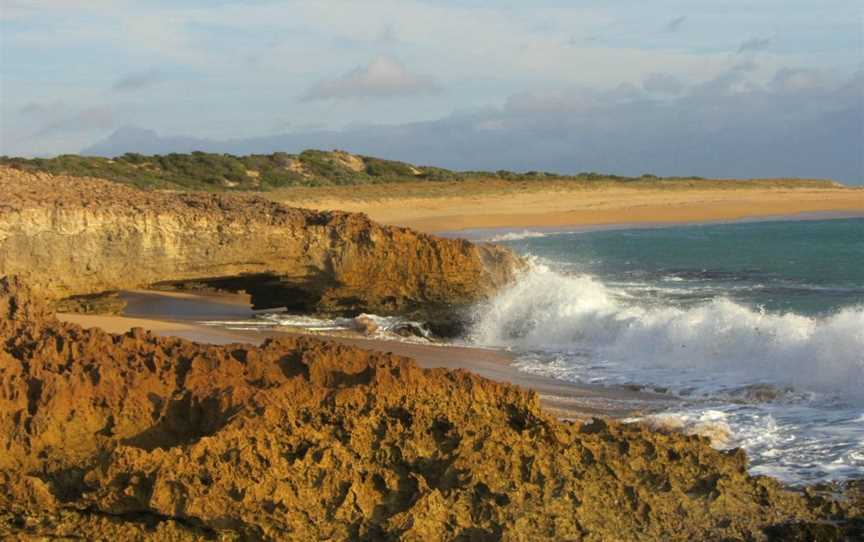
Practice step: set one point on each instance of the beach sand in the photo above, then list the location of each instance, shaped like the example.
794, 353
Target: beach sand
171, 314
472, 205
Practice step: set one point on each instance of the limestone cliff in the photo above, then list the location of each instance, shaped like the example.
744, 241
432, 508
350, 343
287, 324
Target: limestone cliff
128, 437
75, 236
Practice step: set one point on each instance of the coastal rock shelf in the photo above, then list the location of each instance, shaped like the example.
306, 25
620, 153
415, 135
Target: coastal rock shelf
131, 436
75, 237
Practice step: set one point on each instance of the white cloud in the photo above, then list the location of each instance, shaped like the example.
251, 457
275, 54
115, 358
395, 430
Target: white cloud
383, 77
255, 53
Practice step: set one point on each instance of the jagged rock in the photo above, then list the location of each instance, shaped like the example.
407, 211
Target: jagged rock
106, 303
133, 436
410, 329
74, 236
364, 325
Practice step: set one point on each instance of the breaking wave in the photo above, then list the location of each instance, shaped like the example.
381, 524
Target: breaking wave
546, 310
516, 236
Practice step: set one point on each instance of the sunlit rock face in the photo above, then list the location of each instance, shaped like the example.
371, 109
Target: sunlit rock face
75, 236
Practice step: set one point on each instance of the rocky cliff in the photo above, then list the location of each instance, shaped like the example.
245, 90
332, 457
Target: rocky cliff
128, 437
75, 236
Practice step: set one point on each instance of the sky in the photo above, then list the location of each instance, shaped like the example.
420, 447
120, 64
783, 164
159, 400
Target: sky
728, 88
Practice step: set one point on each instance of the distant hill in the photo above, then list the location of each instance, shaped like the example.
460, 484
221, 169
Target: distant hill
226, 172
209, 171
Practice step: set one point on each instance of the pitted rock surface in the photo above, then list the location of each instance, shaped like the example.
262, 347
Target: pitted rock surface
131, 436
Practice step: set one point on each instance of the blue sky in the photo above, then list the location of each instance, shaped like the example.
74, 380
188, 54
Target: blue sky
727, 88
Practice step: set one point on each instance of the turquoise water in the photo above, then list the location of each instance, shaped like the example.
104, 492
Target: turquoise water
757, 328
809, 267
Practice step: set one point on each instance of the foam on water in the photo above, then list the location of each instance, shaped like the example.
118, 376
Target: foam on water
385, 327
784, 386
711, 424
516, 236
550, 311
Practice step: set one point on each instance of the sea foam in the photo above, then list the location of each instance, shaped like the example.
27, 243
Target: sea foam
546, 310
516, 236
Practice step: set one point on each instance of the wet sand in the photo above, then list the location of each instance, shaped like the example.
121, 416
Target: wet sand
179, 315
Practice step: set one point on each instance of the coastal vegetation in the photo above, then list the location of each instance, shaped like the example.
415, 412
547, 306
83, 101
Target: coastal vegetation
134, 436
315, 168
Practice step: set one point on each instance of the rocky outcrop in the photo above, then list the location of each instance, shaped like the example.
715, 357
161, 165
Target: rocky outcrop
75, 236
131, 436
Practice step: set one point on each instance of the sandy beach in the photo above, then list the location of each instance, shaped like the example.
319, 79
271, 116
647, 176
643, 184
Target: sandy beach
481, 205
173, 314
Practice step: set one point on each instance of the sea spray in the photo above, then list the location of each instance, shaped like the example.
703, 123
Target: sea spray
517, 236
547, 310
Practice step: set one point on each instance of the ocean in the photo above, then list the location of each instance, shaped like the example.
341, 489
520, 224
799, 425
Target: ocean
755, 330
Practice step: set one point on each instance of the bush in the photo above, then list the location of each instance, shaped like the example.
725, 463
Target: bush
218, 172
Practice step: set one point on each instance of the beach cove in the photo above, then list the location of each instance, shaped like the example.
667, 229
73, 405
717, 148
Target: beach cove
583, 390
108, 419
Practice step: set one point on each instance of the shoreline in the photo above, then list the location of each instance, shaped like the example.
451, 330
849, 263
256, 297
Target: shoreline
485, 234
541, 206
178, 314
173, 314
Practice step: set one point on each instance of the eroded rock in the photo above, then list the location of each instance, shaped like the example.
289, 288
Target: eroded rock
75, 236
133, 436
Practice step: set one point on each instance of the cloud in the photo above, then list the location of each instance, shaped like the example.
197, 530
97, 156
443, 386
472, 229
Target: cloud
320, 41
747, 65
796, 80
39, 109
674, 24
662, 83
59, 119
382, 78
754, 45
136, 81
24, 9
729, 126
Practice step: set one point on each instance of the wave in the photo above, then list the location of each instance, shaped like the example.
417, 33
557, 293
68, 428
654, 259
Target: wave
517, 236
549, 311
712, 424
370, 325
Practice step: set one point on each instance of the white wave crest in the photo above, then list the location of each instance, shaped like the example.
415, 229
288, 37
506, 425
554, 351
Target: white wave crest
545, 310
516, 236
712, 424
371, 325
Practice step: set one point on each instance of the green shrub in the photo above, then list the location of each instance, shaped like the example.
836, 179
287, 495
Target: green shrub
219, 172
